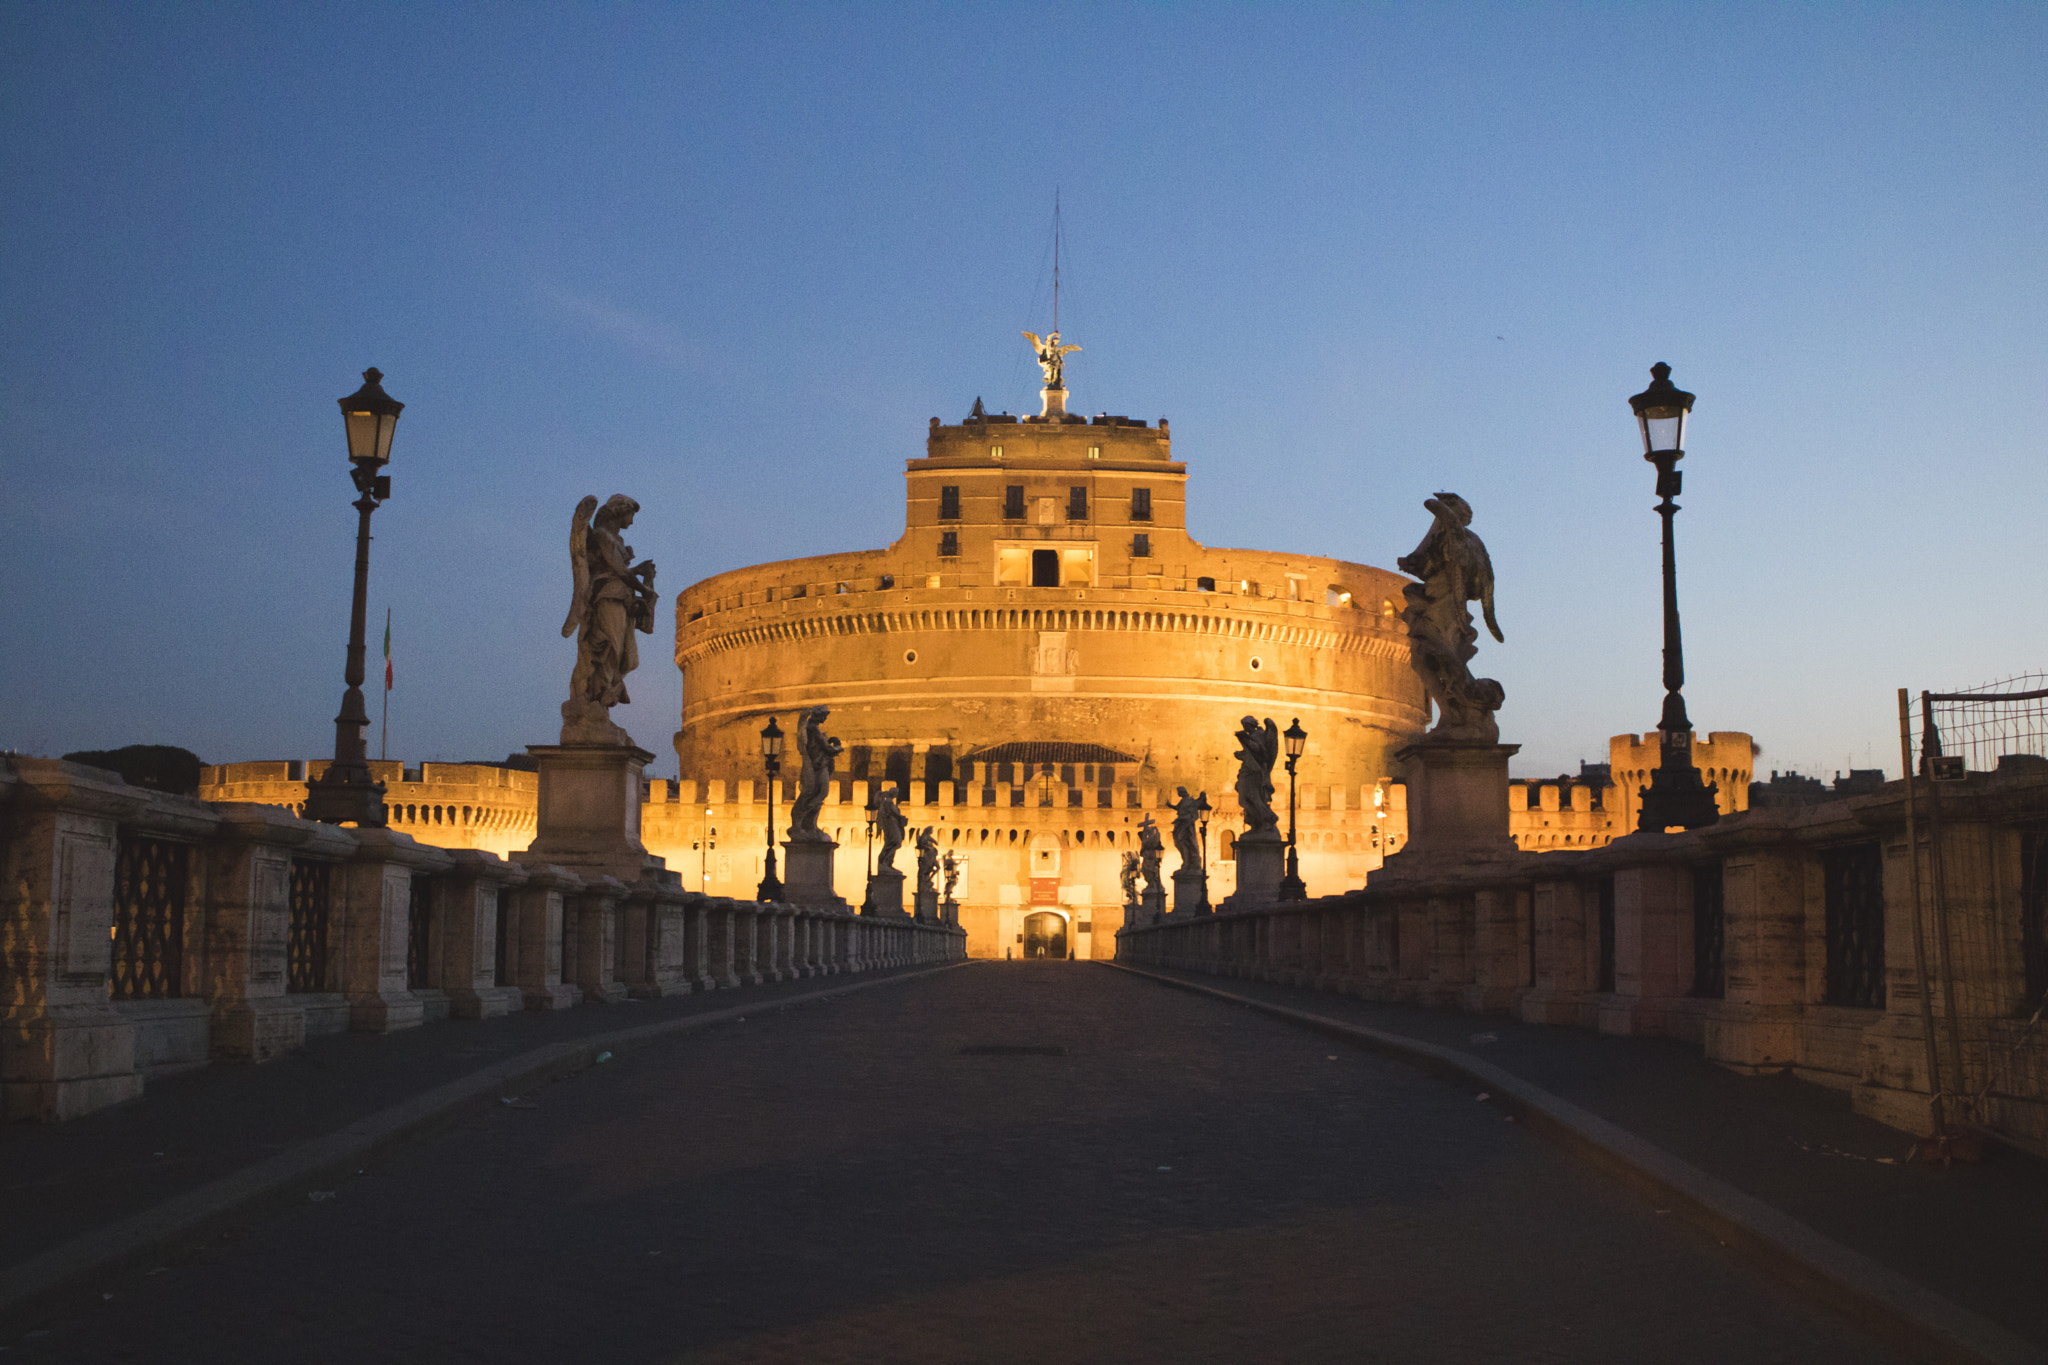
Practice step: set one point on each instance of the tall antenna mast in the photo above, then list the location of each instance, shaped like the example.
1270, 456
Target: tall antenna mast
1055, 261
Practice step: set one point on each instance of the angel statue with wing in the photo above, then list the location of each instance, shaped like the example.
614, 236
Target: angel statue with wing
1052, 358
1454, 568
1257, 750
613, 598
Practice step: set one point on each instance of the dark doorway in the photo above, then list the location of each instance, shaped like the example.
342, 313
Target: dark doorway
1045, 935
1045, 568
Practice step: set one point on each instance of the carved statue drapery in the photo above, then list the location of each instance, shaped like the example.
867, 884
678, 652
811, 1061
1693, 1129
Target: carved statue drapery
1149, 848
612, 600
1129, 877
889, 819
815, 753
1258, 748
1187, 815
1454, 568
927, 859
952, 870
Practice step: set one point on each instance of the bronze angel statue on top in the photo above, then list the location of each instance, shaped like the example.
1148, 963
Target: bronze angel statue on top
1454, 568
613, 598
1052, 358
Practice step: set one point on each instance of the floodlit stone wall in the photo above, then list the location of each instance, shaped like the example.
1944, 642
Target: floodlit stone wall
1045, 590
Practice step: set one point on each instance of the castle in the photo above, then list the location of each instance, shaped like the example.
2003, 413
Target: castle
1038, 662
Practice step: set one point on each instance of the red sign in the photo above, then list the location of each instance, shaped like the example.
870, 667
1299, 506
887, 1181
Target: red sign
1045, 890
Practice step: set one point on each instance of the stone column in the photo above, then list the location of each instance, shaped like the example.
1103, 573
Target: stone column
541, 910
596, 928
1755, 1027
469, 935
64, 1051
1652, 947
1500, 952
373, 901
720, 952
248, 919
748, 947
1563, 909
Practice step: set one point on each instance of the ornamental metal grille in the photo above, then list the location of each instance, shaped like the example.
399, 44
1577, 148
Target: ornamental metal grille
1606, 933
305, 939
1709, 933
504, 923
1854, 880
2034, 913
418, 925
149, 919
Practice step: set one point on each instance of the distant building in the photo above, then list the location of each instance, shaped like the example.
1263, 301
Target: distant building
1792, 789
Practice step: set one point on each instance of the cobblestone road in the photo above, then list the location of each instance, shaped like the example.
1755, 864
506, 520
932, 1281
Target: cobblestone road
893, 1176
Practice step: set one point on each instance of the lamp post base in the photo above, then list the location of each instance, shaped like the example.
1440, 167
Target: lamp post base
1676, 797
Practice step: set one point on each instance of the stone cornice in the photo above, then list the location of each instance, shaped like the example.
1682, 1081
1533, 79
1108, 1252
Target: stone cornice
1249, 625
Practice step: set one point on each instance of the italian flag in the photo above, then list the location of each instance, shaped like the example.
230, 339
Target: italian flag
387, 651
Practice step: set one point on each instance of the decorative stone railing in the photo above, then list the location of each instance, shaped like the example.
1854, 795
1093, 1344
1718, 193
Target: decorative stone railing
1778, 940
140, 930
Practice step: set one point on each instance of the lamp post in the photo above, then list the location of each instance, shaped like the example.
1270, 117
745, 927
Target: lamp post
1675, 796
771, 759
347, 793
1291, 887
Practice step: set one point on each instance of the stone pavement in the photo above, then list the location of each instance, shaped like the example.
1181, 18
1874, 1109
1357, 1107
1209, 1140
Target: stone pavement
1028, 1161
189, 1129
1978, 1235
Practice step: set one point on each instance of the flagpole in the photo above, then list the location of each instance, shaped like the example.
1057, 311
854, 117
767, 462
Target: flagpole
384, 729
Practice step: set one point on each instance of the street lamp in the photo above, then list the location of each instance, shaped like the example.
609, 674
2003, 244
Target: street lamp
1675, 796
1291, 887
771, 759
347, 793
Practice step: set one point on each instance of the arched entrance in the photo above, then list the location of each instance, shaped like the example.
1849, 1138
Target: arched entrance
1045, 934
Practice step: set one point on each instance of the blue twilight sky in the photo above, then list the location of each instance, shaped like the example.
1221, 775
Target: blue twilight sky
731, 258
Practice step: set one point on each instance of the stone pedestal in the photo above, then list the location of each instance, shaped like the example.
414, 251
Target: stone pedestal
1190, 892
588, 819
927, 905
885, 892
1457, 800
949, 911
807, 873
1262, 861
1153, 902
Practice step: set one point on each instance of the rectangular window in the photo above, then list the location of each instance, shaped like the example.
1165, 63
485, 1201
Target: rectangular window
1205, 585
1141, 504
1094, 452
949, 502
1013, 502
1141, 546
885, 582
949, 544
995, 452
1077, 504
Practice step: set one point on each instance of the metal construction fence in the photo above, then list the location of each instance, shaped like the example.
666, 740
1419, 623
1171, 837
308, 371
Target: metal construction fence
1995, 727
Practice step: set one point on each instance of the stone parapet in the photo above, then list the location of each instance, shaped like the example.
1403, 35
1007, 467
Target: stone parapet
146, 931
1776, 940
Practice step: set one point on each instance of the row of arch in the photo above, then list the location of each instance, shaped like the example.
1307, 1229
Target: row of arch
1054, 619
1077, 840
